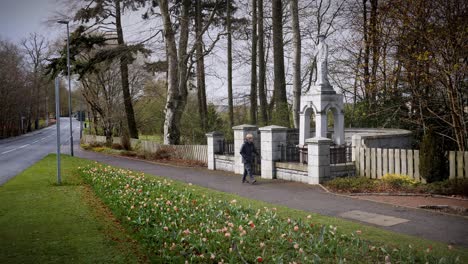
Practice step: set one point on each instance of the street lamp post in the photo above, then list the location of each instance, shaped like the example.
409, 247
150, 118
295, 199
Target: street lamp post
69, 85
57, 118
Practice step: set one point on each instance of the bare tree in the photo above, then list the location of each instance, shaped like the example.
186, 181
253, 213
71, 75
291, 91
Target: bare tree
261, 66
253, 78
229, 63
281, 111
297, 86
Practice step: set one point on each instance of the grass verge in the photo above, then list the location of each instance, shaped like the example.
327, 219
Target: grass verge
41, 222
178, 221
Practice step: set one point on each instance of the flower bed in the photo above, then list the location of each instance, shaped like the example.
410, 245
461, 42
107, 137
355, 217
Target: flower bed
179, 224
393, 183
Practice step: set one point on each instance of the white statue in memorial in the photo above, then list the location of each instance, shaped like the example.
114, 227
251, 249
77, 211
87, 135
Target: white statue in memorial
321, 56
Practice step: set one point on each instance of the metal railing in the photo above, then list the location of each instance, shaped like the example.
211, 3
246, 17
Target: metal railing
340, 154
292, 153
225, 147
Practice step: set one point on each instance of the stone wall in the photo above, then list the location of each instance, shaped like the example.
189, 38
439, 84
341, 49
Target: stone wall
380, 138
224, 163
292, 171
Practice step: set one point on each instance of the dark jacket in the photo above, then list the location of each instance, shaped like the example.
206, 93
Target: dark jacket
247, 152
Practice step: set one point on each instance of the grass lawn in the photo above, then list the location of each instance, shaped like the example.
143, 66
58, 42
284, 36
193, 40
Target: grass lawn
41, 222
178, 221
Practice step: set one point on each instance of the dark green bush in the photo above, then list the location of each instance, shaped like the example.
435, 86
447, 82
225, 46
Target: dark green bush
433, 163
96, 144
128, 153
448, 187
117, 146
352, 184
161, 154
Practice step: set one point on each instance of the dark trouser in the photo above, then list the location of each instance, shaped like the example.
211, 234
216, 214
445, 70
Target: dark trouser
248, 170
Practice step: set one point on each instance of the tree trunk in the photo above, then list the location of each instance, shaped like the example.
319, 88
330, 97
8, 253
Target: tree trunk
366, 53
375, 48
296, 62
177, 75
132, 128
281, 111
261, 66
253, 80
229, 62
201, 87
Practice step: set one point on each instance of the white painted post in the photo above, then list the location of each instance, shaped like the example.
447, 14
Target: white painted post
453, 168
319, 159
362, 162
391, 161
271, 138
410, 163
304, 124
417, 176
379, 163
356, 159
385, 161
321, 125
397, 162
368, 162
213, 140
460, 165
404, 162
239, 136
373, 155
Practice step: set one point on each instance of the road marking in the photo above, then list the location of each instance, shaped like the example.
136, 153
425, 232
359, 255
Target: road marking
5, 152
8, 151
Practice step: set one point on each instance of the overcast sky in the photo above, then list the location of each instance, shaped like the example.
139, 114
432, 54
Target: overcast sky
19, 18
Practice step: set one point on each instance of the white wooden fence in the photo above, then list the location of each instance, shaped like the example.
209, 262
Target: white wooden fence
188, 152
375, 162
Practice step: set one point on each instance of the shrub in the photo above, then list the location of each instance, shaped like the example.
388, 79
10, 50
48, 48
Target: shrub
96, 144
352, 184
432, 158
86, 146
99, 149
397, 180
117, 146
448, 187
128, 153
160, 154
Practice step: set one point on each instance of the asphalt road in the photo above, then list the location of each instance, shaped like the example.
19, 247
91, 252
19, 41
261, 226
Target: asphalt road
18, 153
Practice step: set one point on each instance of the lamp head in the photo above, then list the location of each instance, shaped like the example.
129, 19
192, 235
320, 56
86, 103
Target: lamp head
63, 22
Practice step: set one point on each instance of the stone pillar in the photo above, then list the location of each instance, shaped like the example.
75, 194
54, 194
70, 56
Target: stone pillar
271, 138
213, 139
304, 125
339, 128
321, 124
239, 136
319, 159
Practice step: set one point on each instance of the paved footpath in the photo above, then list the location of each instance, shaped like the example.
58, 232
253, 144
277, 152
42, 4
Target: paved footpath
415, 222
